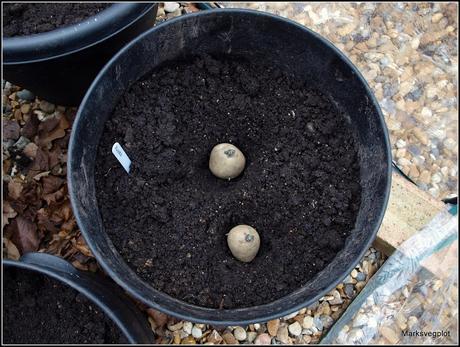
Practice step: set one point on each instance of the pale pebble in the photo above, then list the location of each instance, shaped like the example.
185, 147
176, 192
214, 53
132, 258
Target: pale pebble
263, 339
240, 334
171, 6
307, 322
401, 143
187, 327
295, 329
196, 332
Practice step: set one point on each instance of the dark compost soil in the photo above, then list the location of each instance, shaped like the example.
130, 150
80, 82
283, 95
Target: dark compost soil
33, 18
40, 310
168, 219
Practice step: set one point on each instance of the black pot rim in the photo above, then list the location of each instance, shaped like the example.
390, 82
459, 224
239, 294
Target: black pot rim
73, 38
240, 311
56, 268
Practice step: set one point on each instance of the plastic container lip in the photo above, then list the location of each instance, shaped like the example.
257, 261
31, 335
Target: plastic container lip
68, 275
228, 317
73, 38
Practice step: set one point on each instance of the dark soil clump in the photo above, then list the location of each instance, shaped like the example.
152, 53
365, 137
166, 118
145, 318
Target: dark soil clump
40, 310
33, 18
169, 218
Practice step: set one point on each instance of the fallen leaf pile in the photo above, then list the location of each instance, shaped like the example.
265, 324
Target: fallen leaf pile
37, 215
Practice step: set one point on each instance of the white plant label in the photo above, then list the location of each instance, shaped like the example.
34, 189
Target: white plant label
121, 155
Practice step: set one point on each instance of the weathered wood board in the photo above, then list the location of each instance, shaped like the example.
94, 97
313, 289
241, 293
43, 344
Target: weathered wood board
409, 209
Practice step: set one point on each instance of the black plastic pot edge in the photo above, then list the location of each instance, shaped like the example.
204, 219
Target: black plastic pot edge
74, 53
114, 303
230, 322
15, 46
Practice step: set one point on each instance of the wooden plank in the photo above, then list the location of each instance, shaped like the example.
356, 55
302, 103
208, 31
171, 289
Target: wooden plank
409, 210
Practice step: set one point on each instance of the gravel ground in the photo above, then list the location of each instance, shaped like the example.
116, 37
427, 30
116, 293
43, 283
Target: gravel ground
408, 54
409, 57
422, 305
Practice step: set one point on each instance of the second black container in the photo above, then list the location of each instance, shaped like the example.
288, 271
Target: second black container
102, 292
60, 65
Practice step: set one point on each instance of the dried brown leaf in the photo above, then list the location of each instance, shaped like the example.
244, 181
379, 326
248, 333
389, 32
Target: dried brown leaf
30, 129
59, 242
63, 158
6, 166
25, 235
40, 163
11, 129
51, 184
51, 129
191, 8
56, 218
51, 136
69, 225
18, 205
159, 317
54, 156
61, 212
70, 252
18, 115
79, 265
12, 251
49, 124
83, 248
8, 213
64, 141
31, 196
44, 223
70, 114
30, 150
66, 211
39, 176
15, 189
56, 196
64, 123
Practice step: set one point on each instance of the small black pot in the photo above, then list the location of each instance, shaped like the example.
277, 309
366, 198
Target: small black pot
105, 294
59, 65
256, 36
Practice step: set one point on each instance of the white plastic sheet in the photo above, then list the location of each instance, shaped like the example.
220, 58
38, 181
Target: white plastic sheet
405, 302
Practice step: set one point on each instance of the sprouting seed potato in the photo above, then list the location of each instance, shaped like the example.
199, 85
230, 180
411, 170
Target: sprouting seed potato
226, 161
244, 242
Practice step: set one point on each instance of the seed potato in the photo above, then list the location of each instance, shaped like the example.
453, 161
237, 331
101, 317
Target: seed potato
244, 242
226, 161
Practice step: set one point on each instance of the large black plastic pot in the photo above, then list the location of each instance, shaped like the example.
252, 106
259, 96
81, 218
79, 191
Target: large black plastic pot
258, 37
105, 294
60, 65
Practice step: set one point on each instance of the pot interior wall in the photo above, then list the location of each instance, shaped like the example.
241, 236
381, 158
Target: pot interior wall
258, 37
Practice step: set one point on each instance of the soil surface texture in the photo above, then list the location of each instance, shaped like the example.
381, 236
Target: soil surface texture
32, 18
40, 310
169, 218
